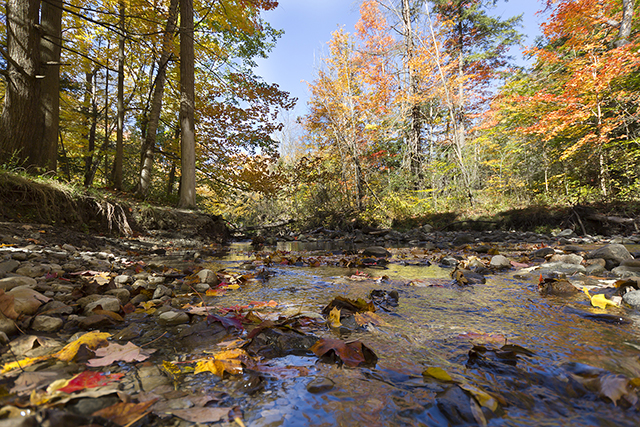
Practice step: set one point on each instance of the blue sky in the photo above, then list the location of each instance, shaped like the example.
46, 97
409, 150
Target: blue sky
308, 25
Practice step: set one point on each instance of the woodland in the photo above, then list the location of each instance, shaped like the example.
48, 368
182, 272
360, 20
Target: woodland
422, 109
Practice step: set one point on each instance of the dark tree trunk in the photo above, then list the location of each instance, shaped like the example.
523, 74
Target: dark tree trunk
91, 111
117, 163
21, 123
51, 18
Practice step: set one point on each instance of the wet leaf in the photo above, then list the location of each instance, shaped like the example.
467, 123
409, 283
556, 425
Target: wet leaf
477, 413
28, 381
227, 322
19, 364
352, 354
6, 305
92, 340
89, 379
115, 352
369, 318
334, 318
201, 415
600, 301
348, 306
483, 398
227, 361
437, 373
125, 413
616, 387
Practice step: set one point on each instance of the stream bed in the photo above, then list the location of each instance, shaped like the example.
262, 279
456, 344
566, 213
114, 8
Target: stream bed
561, 370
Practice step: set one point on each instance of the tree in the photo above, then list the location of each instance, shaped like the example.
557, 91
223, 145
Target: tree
21, 122
187, 97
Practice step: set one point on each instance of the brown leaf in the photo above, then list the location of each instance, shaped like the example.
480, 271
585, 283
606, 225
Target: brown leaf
201, 415
6, 305
115, 352
352, 354
125, 413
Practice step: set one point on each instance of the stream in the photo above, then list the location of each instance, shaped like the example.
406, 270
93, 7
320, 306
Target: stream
563, 365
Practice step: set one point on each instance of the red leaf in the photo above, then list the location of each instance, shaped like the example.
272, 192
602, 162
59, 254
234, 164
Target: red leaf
89, 379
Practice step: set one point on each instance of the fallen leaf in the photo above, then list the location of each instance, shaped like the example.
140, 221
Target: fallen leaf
89, 379
201, 415
437, 373
19, 364
369, 318
28, 381
600, 301
348, 306
334, 318
115, 352
125, 413
227, 361
92, 340
615, 387
352, 354
483, 398
6, 305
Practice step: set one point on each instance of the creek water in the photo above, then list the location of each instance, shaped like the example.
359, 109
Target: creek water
436, 324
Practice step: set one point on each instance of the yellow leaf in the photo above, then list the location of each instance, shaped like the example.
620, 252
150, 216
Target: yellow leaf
10, 366
334, 318
230, 287
93, 340
229, 361
600, 301
210, 365
369, 317
437, 373
483, 398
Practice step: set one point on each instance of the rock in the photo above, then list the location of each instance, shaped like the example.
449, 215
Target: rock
7, 326
627, 270
34, 271
615, 252
20, 256
463, 239
8, 266
122, 279
47, 324
632, 298
151, 377
109, 303
561, 267
201, 287
557, 287
97, 321
208, 276
595, 266
161, 291
154, 281
172, 318
376, 252
567, 232
9, 283
567, 259
26, 300
56, 307
320, 385
449, 261
4, 339
499, 262
122, 294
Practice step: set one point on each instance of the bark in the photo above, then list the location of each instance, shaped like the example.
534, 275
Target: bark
625, 25
91, 111
148, 146
50, 44
414, 137
21, 123
117, 163
187, 97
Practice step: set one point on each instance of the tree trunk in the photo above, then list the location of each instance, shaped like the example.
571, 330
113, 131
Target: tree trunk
91, 120
117, 162
187, 97
625, 24
50, 44
148, 146
414, 142
21, 123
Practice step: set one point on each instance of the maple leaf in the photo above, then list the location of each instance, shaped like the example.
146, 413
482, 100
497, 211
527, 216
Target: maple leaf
89, 379
116, 352
334, 318
352, 354
6, 305
92, 340
227, 361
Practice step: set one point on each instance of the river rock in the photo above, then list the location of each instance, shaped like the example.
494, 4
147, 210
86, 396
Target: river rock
8, 266
7, 326
615, 252
161, 291
34, 270
208, 276
561, 267
172, 318
499, 262
463, 239
567, 232
122, 294
109, 303
122, 279
27, 300
595, 266
320, 385
632, 298
627, 268
376, 252
449, 261
46, 324
542, 252
9, 283
567, 258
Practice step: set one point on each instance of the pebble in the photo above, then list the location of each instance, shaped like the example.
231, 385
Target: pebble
172, 318
320, 385
47, 324
9, 283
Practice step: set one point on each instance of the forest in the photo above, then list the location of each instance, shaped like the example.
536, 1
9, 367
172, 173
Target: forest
422, 109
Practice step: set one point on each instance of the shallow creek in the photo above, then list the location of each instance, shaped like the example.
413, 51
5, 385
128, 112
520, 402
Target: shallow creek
436, 324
